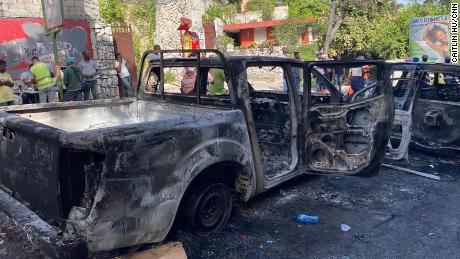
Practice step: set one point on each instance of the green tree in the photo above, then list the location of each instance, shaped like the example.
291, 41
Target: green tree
306, 8
356, 15
223, 12
265, 6
139, 13
111, 11
390, 40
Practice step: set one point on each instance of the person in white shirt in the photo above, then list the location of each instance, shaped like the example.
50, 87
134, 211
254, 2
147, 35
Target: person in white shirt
28, 92
123, 73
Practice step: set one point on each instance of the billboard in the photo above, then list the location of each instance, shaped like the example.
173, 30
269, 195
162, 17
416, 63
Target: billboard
23, 38
52, 11
429, 36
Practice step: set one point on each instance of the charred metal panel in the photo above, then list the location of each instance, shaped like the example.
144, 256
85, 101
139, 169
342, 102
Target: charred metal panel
401, 135
29, 161
148, 167
436, 125
123, 182
346, 138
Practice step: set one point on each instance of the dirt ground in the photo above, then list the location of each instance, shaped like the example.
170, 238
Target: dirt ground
392, 215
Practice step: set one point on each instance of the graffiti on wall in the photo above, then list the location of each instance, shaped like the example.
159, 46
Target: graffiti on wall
23, 38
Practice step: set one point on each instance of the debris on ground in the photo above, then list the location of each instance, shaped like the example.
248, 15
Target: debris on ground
282, 193
345, 227
361, 238
392, 216
411, 171
306, 219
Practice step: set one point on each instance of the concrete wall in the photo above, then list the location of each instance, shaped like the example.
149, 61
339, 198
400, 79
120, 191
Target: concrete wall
101, 34
280, 13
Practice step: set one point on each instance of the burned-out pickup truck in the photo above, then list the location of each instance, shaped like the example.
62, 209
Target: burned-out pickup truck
93, 176
427, 103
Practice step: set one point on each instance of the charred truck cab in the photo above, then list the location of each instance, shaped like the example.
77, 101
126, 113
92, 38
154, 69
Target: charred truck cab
427, 105
202, 132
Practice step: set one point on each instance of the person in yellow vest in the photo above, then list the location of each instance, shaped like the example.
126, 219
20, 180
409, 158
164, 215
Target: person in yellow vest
6, 83
43, 79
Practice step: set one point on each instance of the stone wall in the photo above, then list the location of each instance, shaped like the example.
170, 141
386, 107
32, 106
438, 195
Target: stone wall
264, 76
168, 14
101, 34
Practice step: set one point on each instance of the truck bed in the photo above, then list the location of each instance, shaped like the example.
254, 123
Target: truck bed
82, 118
45, 148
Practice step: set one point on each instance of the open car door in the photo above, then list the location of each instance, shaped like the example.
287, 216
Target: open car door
346, 133
404, 82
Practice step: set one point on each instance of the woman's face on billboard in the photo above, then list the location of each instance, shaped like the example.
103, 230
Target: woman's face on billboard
441, 35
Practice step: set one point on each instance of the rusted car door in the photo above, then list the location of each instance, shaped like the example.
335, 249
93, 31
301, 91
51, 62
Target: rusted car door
345, 134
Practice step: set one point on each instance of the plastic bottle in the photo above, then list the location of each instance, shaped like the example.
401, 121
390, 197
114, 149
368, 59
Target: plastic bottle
306, 219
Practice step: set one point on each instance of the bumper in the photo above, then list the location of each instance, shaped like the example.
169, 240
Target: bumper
39, 232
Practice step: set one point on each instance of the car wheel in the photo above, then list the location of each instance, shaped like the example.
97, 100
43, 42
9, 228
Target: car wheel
207, 208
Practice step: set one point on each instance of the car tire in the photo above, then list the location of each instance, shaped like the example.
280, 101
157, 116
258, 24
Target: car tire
207, 208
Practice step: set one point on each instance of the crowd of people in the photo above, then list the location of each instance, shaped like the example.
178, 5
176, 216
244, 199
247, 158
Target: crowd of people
42, 82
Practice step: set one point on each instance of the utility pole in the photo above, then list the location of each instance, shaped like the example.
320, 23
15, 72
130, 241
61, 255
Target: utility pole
53, 13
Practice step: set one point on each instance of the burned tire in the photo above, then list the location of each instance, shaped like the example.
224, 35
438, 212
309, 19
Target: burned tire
207, 208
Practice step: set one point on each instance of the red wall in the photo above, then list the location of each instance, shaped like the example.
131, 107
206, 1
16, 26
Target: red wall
22, 38
247, 37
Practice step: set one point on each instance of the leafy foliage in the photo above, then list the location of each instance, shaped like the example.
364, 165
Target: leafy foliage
289, 33
111, 11
170, 77
378, 28
223, 41
222, 12
139, 13
306, 8
265, 6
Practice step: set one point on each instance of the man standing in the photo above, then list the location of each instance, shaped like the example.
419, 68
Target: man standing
29, 94
155, 56
123, 73
43, 79
72, 80
90, 71
6, 83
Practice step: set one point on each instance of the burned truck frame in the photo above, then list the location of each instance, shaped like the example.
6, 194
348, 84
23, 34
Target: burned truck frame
427, 105
99, 175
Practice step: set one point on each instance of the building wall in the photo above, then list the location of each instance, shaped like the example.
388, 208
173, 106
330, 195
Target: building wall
246, 37
168, 14
260, 34
280, 13
101, 34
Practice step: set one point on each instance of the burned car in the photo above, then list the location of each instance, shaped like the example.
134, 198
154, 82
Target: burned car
98, 175
427, 107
